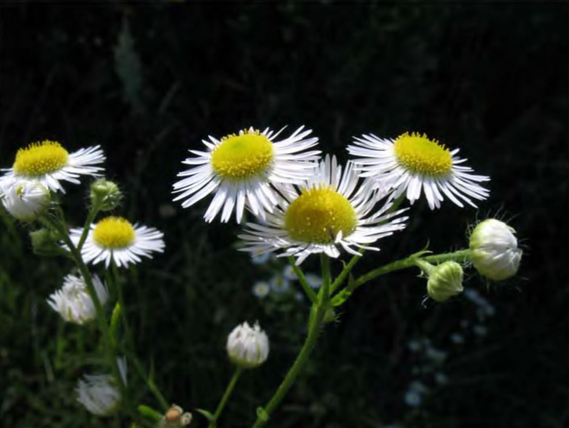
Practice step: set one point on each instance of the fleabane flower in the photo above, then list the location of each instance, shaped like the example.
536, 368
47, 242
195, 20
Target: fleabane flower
413, 163
246, 170
26, 200
247, 346
116, 239
73, 301
100, 394
494, 250
49, 163
329, 211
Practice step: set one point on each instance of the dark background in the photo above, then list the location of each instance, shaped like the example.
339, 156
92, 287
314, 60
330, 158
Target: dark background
148, 82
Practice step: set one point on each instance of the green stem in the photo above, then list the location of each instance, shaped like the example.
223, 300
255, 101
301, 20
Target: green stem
410, 261
90, 216
315, 325
302, 279
101, 319
347, 269
228, 391
132, 355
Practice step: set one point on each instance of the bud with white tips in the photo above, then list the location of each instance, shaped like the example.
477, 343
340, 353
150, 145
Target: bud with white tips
247, 346
494, 250
175, 418
100, 393
105, 194
73, 301
445, 279
26, 200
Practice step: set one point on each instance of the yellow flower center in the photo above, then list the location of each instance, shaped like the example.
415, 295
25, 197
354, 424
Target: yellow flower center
420, 155
242, 156
318, 214
40, 158
114, 232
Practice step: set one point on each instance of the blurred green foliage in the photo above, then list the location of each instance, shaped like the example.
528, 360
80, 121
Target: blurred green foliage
148, 82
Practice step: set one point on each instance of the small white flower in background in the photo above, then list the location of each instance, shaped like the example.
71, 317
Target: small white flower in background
260, 258
436, 355
100, 393
261, 289
73, 301
495, 253
413, 398
441, 378
457, 338
313, 280
279, 284
25, 200
246, 170
289, 273
49, 163
414, 345
116, 239
418, 386
480, 330
248, 347
413, 162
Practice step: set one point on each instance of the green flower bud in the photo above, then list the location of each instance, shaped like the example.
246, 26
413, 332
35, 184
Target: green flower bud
45, 242
445, 280
105, 194
494, 250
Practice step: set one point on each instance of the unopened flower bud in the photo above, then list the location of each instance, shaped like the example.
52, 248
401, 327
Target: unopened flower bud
45, 242
247, 346
105, 194
73, 301
26, 200
445, 281
175, 418
494, 250
100, 393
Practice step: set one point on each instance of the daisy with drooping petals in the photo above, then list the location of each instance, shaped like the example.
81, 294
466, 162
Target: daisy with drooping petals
330, 211
116, 239
244, 169
49, 163
413, 162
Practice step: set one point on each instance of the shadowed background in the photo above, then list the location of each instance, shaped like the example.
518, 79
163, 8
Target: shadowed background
148, 82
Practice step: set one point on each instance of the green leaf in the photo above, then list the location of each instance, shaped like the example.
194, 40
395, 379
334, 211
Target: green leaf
115, 317
206, 413
149, 412
262, 414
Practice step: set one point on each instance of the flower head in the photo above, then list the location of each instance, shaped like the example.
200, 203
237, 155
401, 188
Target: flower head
49, 163
245, 169
105, 194
261, 289
445, 280
494, 250
26, 200
248, 347
100, 393
329, 211
116, 239
413, 163
73, 301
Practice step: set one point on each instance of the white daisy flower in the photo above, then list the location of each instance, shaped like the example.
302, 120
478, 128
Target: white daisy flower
49, 163
412, 163
73, 301
100, 393
246, 169
329, 212
116, 239
289, 273
313, 280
